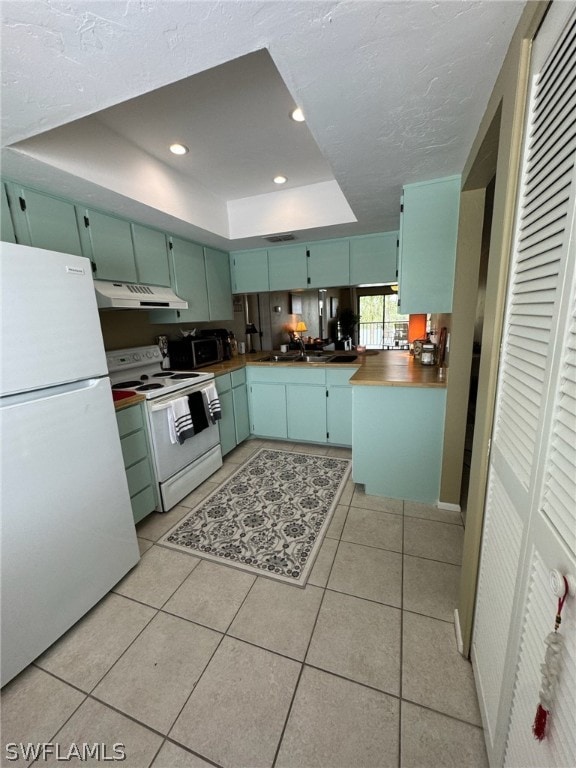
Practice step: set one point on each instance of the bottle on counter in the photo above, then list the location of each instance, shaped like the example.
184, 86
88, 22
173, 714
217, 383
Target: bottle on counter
233, 345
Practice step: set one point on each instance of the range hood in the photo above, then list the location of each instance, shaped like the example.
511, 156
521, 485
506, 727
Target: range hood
134, 296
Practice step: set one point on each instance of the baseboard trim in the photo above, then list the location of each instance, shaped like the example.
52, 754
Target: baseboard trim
449, 507
458, 632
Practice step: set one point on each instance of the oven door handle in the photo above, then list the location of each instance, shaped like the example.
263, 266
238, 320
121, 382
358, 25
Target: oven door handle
164, 404
161, 407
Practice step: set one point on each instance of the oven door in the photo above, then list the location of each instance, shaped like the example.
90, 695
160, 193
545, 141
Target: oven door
170, 458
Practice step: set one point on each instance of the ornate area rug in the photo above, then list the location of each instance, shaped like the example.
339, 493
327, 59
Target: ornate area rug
269, 517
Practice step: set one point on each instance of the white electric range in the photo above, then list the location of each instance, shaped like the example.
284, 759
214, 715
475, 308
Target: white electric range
179, 467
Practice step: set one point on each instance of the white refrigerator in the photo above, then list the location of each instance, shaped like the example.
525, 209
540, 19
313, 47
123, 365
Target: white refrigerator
67, 532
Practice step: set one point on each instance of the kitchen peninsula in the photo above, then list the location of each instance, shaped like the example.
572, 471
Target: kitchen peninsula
397, 416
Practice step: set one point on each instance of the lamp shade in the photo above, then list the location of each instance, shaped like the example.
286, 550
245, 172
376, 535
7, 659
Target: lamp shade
300, 327
251, 328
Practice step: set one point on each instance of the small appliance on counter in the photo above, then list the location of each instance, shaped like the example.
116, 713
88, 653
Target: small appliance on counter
345, 344
225, 337
194, 352
428, 354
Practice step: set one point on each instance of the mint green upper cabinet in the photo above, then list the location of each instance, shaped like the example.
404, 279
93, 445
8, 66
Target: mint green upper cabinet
428, 237
329, 263
151, 255
287, 267
190, 279
44, 221
6, 226
373, 258
111, 246
218, 284
249, 271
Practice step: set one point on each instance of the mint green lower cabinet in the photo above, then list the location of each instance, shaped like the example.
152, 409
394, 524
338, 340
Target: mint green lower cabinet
137, 463
226, 424
241, 414
339, 415
306, 412
397, 438
234, 425
268, 410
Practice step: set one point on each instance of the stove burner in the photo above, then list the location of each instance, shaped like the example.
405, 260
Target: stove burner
126, 385
163, 375
147, 387
185, 375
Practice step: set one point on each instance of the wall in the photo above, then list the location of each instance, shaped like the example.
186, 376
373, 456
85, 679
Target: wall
132, 328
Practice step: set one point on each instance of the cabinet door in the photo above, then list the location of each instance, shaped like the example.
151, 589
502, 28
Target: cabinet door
190, 279
329, 263
241, 418
226, 423
151, 255
218, 284
373, 259
268, 409
112, 249
51, 223
306, 408
287, 267
339, 415
429, 227
249, 271
6, 226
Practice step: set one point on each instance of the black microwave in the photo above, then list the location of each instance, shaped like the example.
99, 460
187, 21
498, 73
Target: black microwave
191, 352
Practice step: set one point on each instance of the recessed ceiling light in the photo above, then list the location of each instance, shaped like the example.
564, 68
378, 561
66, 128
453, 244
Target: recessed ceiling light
178, 149
297, 115
280, 179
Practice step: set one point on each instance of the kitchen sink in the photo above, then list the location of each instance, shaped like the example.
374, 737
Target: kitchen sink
342, 359
278, 359
313, 357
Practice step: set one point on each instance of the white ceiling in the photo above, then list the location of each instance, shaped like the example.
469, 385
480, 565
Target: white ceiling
393, 93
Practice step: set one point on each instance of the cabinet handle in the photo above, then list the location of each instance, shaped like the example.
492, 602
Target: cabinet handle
22, 203
86, 222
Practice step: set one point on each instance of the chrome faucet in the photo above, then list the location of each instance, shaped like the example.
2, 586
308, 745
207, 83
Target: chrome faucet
302, 346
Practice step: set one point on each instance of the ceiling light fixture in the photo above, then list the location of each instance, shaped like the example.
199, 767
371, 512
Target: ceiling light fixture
280, 179
297, 115
178, 149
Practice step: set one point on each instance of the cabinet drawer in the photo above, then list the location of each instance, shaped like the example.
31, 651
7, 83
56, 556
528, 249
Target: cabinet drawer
134, 448
143, 503
138, 476
129, 420
238, 377
223, 383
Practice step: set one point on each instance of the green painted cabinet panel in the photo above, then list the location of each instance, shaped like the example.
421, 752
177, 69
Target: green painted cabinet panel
249, 271
287, 267
137, 462
339, 415
218, 284
241, 414
268, 410
428, 238
373, 258
226, 424
189, 282
151, 255
6, 226
329, 263
111, 246
306, 411
44, 221
397, 438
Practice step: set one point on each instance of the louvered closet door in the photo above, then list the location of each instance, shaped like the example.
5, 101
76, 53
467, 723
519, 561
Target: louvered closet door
530, 514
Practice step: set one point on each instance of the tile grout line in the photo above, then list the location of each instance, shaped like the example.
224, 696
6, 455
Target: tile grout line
401, 644
303, 663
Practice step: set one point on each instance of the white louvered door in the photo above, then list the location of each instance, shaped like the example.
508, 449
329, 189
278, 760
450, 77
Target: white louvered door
530, 514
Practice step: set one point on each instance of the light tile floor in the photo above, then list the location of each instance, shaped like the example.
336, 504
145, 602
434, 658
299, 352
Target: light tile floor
190, 664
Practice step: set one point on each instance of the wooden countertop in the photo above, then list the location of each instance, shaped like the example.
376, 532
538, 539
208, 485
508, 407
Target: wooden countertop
122, 400
375, 368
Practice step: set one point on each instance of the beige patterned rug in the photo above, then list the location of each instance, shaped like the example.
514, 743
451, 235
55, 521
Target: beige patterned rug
269, 517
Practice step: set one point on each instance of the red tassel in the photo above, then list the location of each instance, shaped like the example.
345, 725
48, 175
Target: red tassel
539, 726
